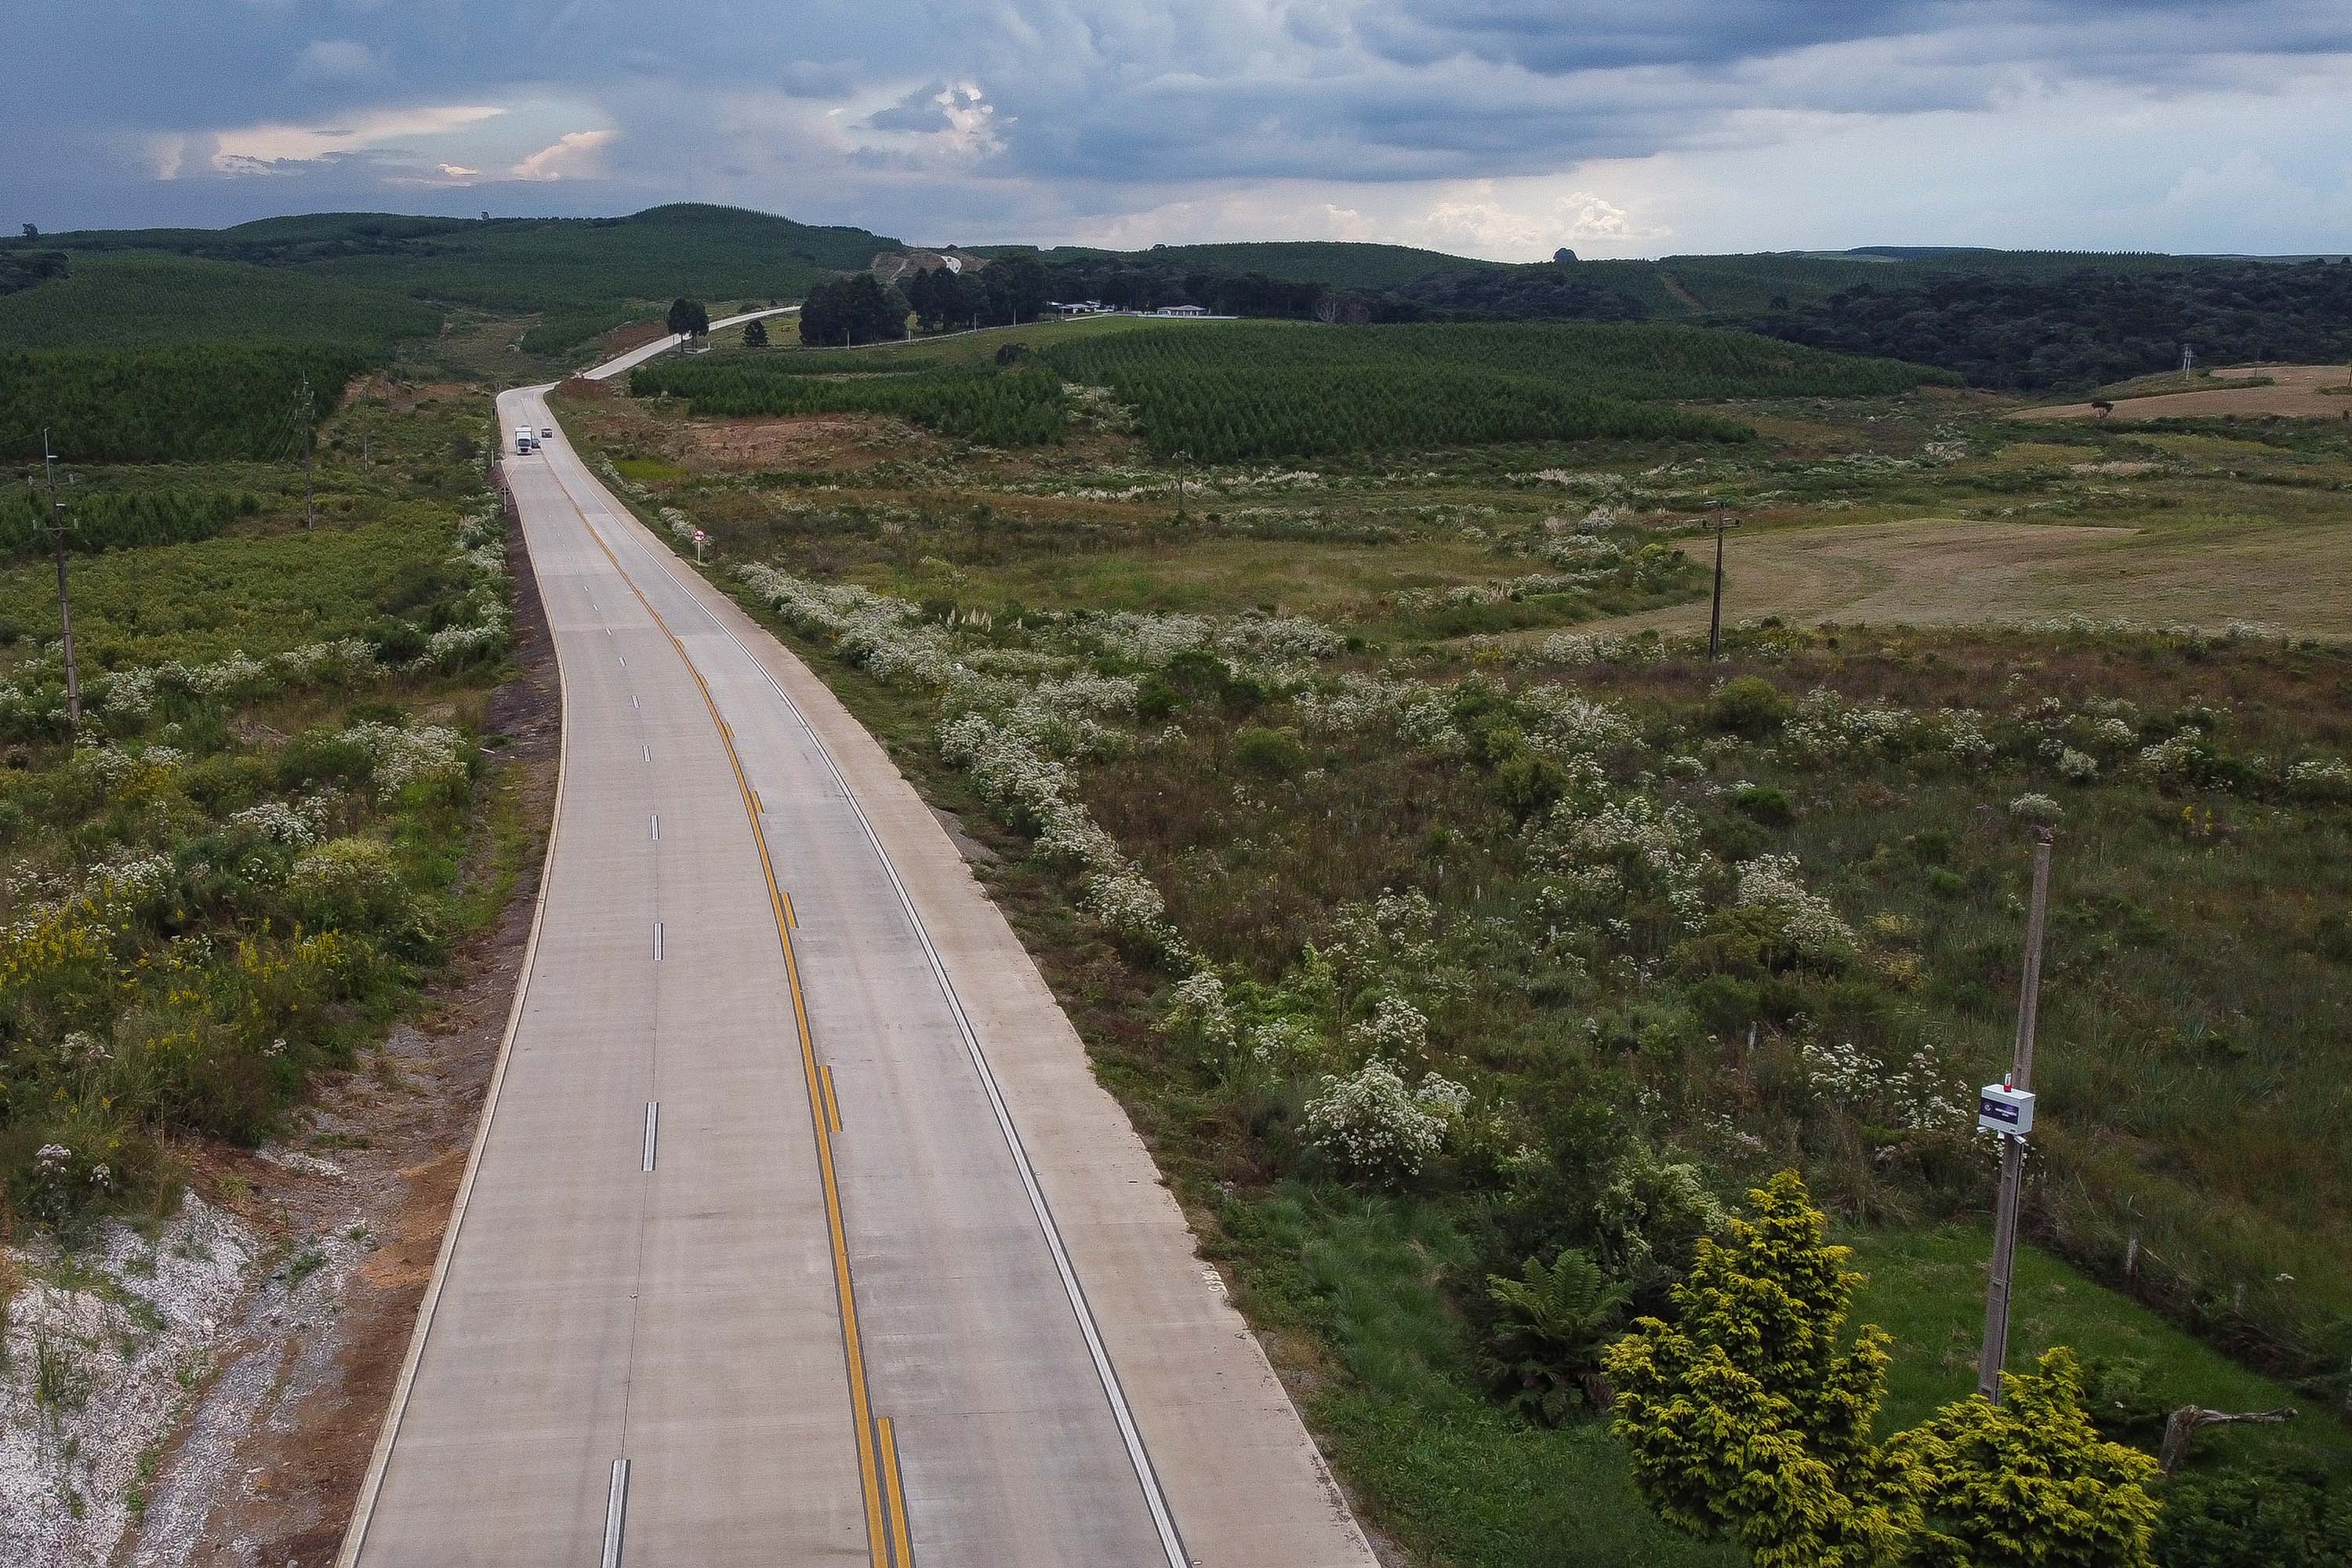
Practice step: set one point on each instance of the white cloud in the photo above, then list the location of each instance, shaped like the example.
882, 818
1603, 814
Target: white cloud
254, 149
571, 156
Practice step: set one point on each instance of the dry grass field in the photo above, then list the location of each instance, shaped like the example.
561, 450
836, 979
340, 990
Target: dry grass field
1943, 572
2294, 391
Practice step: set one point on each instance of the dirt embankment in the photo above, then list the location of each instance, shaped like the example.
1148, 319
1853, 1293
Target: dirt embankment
268, 1456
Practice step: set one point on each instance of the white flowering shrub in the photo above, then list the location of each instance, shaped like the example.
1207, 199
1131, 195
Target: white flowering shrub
1825, 729
2077, 767
1197, 1011
1808, 928
1373, 1128
1920, 1094
1574, 723
278, 821
1131, 909
2035, 807
2320, 779
1601, 647
888, 636
1652, 847
1150, 640
1394, 1028
421, 753
351, 883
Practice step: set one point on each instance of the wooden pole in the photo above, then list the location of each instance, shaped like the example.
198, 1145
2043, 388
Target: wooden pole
65, 603
2000, 1282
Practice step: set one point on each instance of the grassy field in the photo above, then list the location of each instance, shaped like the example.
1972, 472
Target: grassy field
1655, 935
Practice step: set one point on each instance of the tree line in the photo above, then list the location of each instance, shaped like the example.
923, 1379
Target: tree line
2079, 328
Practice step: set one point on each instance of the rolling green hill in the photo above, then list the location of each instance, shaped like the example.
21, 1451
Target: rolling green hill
583, 276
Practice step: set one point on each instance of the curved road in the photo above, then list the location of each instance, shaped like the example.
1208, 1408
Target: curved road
797, 1229
644, 352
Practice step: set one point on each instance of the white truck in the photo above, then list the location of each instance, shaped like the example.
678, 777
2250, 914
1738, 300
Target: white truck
525, 442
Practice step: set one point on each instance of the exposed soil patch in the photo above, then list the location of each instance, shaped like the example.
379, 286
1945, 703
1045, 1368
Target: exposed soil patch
815, 441
268, 1461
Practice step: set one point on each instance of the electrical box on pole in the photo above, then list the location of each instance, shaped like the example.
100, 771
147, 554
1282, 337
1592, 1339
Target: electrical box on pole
2006, 1111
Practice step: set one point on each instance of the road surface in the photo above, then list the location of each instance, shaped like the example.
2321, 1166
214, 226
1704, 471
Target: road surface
637, 356
797, 1230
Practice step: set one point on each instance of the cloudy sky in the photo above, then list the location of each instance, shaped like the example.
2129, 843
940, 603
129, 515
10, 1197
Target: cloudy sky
1498, 128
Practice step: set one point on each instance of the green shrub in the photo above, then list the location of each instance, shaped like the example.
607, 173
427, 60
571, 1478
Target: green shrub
1275, 753
1765, 804
1749, 705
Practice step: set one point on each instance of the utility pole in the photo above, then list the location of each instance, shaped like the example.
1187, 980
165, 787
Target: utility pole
2007, 1111
65, 603
1182, 459
1714, 615
310, 504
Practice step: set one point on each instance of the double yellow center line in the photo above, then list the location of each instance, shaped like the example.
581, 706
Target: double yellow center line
888, 1541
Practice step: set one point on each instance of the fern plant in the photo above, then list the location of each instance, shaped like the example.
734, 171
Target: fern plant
1551, 1327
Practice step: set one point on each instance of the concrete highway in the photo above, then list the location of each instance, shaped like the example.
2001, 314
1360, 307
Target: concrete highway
797, 1230
637, 356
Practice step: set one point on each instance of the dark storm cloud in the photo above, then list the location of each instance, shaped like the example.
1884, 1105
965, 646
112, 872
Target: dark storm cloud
111, 94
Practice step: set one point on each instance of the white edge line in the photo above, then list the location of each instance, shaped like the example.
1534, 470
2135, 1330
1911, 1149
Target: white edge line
1169, 1540
363, 1507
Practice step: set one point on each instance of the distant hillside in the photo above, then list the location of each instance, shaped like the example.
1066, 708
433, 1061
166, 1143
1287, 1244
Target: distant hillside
584, 275
1402, 282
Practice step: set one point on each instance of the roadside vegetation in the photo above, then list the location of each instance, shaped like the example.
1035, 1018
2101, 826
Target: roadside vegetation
249, 858
1466, 968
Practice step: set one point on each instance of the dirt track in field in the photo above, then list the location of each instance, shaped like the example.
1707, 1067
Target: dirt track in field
1944, 570
2294, 391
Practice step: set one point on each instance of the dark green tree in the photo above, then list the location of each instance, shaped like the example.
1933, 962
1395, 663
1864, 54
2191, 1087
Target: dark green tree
1014, 290
688, 318
858, 309
755, 333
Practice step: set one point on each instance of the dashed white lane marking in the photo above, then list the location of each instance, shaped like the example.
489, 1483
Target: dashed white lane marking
653, 827
658, 942
653, 1125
